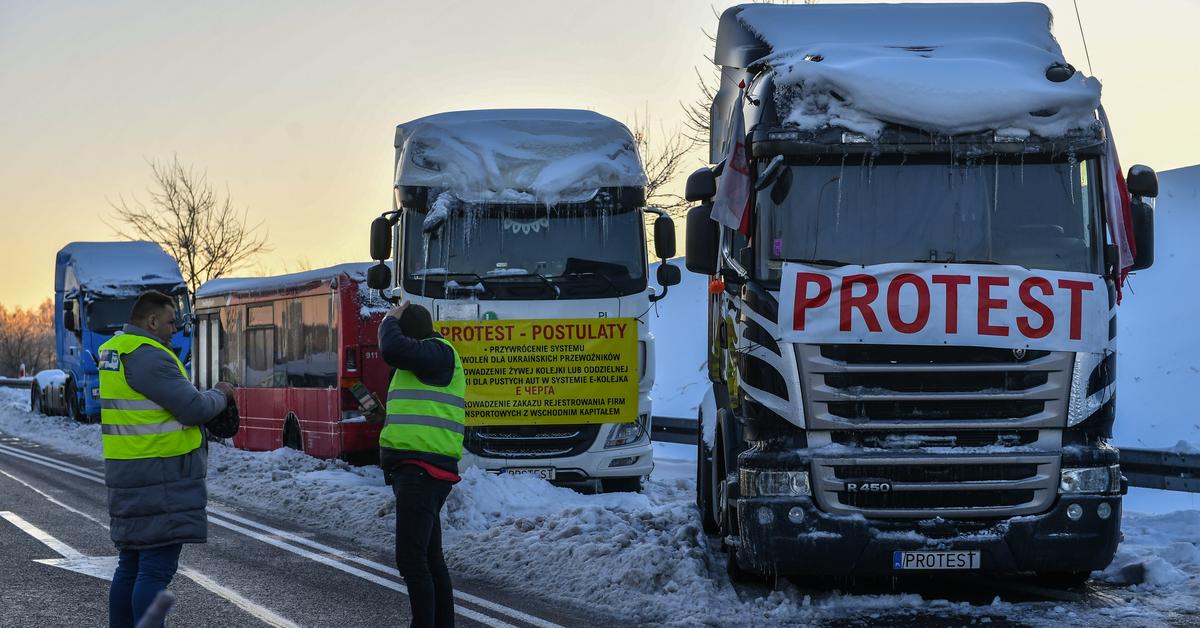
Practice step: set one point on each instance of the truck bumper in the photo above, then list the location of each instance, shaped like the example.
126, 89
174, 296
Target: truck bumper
769, 541
596, 462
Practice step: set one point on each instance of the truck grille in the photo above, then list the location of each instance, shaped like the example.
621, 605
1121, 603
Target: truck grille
869, 387
876, 439
530, 441
940, 486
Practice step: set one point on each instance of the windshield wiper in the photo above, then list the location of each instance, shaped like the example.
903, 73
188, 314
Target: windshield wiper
544, 279
820, 262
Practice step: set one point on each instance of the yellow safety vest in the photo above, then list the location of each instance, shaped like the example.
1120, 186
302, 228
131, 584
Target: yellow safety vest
426, 418
131, 425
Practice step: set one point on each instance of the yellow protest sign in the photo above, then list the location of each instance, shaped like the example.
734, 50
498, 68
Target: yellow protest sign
534, 372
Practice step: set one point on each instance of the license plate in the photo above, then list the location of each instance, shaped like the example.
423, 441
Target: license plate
935, 560
546, 473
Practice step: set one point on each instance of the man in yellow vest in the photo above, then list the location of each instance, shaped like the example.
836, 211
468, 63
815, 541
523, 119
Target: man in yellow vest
419, 449
155, 461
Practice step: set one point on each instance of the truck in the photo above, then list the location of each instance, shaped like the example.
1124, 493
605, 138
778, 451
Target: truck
915, 235
523, 233
95, 286
302, 351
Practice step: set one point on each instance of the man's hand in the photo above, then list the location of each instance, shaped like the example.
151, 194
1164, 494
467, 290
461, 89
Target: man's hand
226, 388
396, 311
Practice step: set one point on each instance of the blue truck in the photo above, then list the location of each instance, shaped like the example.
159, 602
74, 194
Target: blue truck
95, 285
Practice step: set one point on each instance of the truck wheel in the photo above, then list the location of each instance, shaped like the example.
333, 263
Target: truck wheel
1063, 579
35, 399
621, 485
72, 402
292, 437
704, 488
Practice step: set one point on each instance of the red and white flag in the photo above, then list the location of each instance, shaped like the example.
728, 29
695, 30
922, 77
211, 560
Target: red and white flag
1117, 207
731, 207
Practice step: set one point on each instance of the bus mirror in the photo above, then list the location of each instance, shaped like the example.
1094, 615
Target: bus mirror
381, 239
664, 237
701, 185
702, 236
1142, 181
379, 277
1143, 234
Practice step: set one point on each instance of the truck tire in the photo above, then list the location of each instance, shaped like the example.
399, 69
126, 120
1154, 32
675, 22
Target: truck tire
621, 485
704, 488
71, 402
35, 399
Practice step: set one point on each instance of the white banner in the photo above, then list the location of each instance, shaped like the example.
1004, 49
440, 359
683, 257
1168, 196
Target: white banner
1008, 307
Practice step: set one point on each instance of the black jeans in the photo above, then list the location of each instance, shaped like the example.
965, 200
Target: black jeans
419, 500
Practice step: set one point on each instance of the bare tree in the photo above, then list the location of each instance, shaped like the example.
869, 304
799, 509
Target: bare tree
27, 337
201, 230
663, 156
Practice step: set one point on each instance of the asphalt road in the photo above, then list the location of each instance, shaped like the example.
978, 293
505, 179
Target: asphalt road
253, 570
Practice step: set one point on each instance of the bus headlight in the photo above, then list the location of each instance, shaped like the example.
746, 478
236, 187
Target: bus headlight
1091, 480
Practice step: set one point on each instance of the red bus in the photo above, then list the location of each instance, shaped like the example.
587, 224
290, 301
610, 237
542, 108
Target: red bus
300, 348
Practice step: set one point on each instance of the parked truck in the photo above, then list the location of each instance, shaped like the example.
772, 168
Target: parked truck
95, 286
913, 289
522, 231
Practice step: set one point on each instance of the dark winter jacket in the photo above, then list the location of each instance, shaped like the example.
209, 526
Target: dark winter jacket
161, 501
433, 363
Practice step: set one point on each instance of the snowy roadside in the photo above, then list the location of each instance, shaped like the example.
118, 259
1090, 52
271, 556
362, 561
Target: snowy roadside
641, 556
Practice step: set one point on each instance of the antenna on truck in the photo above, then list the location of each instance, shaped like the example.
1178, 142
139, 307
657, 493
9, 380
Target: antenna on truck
1083, 36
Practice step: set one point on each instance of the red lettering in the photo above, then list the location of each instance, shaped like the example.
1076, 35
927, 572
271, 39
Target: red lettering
803, 302
862, 303
987, 304
893, 303
1037, 307
1076, 288
952, 282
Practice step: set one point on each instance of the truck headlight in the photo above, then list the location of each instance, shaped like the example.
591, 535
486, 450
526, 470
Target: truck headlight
627, 433
1078, 407
755, 483
1091, 480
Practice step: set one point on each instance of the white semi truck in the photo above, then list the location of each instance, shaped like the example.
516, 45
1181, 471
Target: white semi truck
522, 232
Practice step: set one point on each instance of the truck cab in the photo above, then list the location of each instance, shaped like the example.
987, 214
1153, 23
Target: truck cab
530, 215
96, 284
912, 341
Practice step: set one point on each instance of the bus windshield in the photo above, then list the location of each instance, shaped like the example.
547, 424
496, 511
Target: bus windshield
497, 254
990, 211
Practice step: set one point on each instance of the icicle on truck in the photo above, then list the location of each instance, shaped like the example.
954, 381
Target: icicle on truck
522, 232
95, 285
911, 329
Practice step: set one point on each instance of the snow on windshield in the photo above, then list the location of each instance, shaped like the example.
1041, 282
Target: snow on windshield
119, 268
948, 68
518, 155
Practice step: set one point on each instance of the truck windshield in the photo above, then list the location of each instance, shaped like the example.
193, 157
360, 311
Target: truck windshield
109, 315
1037, 215
554, 254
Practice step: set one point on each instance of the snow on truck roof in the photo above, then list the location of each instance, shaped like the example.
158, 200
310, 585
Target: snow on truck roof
518, 155
357, 271
117, 268
948, 68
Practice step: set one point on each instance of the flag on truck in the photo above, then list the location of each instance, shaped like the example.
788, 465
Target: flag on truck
732, 204
1117, 207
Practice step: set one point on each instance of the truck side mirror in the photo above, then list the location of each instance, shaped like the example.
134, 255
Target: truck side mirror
702, 240
379, 277
1143, 233
664, 238
381, 239
1142, 181
701, 185
668, 275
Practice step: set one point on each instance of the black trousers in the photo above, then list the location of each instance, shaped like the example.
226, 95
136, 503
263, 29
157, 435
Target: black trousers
419, 500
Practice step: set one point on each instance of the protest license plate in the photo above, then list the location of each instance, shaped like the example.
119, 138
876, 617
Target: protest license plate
546, 473
968, 559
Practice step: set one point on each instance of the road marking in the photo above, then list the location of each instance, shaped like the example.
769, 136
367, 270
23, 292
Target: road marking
54, 501
264, 614
62, 549
216, 515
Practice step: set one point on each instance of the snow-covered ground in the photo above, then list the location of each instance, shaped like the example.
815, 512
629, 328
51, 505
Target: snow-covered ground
641, 556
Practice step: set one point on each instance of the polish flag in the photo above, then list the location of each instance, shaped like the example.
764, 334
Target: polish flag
1117, 207
731, 207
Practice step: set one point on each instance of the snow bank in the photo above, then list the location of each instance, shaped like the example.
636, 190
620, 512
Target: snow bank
117, 268
517, 155
948, 68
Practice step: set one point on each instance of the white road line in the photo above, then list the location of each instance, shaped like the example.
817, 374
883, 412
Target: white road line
55, 501
266, 615
274, 532
64, 550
